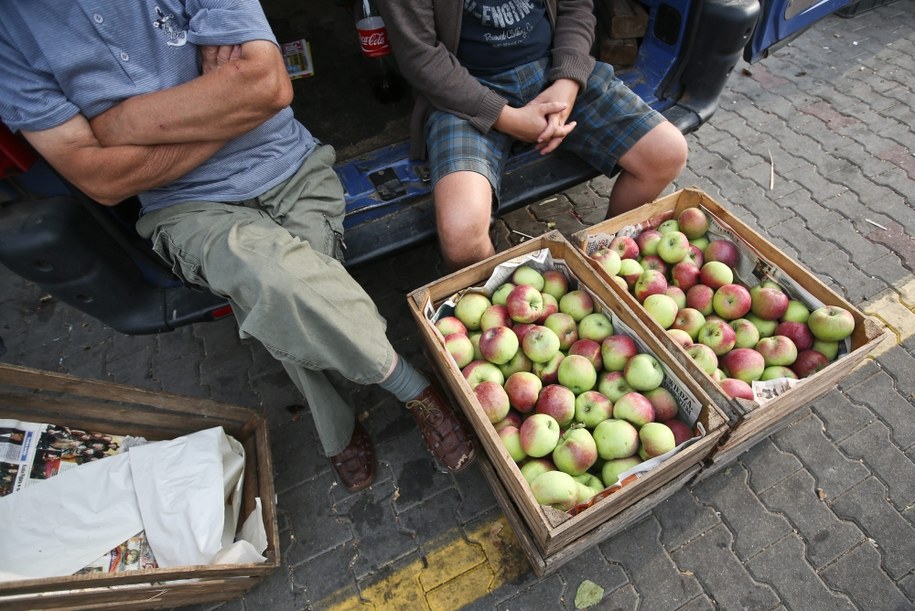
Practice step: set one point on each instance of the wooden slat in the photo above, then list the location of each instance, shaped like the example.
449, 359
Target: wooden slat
142, 596
108, 391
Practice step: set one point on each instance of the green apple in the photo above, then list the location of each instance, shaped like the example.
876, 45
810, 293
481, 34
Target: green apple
533, 467
797, 311
608, 260
828, 349
595, 326
555, 284
673, 247
612, 384
616, 439
643, 372
592, 407
577, 374
610, 470
662, 308
499, 344
511, 438
525, 274
656, 439
469, 309
831, 323
555, 489
577, 304
539, 435
540, 344
500, 295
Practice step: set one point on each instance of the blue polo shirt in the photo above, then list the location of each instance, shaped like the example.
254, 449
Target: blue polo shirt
59, 58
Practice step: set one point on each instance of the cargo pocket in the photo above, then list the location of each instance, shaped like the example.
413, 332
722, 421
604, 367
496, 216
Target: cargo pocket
335, 245
186, 267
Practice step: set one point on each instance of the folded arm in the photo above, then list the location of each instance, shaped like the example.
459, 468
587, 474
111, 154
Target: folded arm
240, 87
111, 174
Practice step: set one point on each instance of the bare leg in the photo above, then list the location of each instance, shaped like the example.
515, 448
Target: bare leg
648, 167
463, 206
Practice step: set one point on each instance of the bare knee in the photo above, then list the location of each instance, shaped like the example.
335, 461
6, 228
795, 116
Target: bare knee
658, 157
463, 204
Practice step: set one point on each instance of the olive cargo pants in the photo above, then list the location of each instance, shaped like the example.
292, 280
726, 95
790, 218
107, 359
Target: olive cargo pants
277, 260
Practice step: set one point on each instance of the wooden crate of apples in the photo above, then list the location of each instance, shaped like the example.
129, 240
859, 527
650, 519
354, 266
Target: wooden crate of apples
762, 329
578, 404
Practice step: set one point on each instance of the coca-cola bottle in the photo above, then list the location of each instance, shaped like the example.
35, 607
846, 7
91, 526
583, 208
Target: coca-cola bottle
387, 84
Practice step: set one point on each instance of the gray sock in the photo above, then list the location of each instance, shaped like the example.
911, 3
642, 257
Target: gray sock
405, 382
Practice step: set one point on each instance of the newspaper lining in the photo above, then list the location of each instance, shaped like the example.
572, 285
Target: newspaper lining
32, 452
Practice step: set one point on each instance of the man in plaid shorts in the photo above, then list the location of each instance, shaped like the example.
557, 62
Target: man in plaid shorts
488, 73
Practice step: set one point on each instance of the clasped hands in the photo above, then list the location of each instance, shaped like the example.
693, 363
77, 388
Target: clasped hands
542, 121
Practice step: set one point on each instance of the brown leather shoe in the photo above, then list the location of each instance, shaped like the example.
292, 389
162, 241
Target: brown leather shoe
355, 465
446, 434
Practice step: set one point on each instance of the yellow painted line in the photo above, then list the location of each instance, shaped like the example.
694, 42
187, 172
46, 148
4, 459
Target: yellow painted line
460, 569
896, 310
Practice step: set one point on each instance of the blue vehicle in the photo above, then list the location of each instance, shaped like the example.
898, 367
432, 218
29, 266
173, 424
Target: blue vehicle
89, 256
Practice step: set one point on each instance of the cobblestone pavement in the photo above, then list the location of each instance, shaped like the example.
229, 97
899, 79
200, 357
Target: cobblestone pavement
819, 516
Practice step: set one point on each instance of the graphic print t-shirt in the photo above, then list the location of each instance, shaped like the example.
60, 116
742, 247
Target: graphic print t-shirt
497, 35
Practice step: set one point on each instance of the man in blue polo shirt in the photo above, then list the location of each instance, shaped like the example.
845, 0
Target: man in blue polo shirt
185, 103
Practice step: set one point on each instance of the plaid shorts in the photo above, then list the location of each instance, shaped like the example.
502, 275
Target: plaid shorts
611, 119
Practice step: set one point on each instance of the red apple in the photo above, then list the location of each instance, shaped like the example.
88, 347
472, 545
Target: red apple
650, 282
797, 332
717, 335
625, 246
731, 301
493, 399
724, 251
685, 274
777, 350
715, 274
449, 325
808, 363
523, 388
744, 364
648, 242
735, 388
701, 298
768, 303
680, 429
495, 315
589, 349
664, 403
557, 401
524, 303
693, 222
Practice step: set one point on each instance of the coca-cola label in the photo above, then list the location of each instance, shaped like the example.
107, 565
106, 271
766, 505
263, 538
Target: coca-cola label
374, 42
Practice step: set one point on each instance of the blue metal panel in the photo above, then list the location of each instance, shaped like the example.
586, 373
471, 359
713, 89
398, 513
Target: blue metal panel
781, 20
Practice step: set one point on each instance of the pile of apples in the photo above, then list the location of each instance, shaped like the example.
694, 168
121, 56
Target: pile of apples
574, 403
736, 334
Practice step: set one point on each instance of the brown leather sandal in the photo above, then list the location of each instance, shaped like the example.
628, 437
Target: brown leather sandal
446, 434
355, 465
